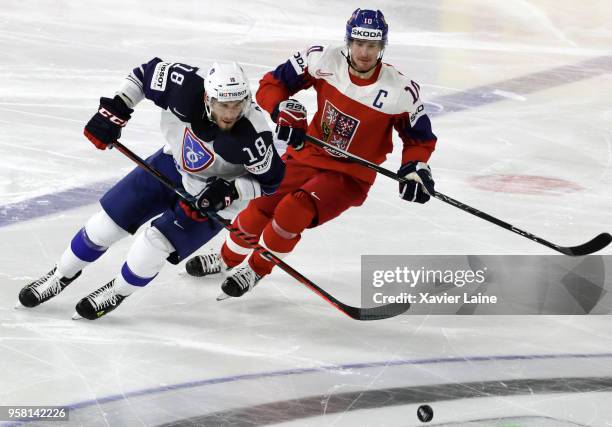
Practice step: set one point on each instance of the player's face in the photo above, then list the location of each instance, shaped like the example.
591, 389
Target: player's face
364, 54
226, 114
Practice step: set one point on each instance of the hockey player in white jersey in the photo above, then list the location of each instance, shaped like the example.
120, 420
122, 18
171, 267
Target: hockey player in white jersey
219, 149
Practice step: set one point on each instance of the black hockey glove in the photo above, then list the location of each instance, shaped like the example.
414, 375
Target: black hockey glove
105, 126
291, 122
421, 184
217, 195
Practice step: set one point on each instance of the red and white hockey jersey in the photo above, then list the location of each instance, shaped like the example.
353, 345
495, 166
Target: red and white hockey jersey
354, 114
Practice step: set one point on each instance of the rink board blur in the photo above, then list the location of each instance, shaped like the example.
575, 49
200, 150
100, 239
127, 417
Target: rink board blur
518, 93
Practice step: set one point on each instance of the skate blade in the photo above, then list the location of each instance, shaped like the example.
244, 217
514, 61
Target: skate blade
223, 296
18, 305
76, 316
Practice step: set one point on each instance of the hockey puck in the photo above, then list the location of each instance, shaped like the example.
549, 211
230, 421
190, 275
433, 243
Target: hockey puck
425, 413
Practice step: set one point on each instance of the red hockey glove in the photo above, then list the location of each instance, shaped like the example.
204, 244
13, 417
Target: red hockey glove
105, 126
192, 212
291, 122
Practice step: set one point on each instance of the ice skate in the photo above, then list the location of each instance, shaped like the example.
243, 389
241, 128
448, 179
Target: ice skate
239, 283
205, 265
99, 303
43, 289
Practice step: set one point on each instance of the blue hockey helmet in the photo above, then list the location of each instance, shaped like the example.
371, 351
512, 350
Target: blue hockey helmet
367, 24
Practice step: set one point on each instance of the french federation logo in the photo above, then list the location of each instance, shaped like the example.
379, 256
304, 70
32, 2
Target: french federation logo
196, 156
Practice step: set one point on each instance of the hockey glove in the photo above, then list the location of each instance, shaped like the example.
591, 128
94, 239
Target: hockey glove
291, 122
105, 126
192, 212
217, 195
421, 184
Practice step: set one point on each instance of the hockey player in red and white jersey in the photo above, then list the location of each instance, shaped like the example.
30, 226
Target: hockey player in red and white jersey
360, 101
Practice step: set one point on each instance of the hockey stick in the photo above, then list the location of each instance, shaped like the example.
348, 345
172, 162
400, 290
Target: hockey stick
597, 243
357, 313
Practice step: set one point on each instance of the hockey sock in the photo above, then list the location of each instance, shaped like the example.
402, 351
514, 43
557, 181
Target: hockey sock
145, 259
81, 252
89, 244
292, 215
251, 222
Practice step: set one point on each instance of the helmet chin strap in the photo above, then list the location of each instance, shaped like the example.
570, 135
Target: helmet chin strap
208, 108
350, 62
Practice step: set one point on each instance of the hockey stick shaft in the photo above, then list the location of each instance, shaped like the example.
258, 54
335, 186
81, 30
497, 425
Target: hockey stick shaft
597, 243
375, 313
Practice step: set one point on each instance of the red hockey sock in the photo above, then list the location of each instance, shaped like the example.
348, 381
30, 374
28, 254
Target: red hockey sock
250, 221
293, 214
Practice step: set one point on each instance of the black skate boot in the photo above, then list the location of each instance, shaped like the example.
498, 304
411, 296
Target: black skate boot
44, 288
98, 303
207, 264
239, 283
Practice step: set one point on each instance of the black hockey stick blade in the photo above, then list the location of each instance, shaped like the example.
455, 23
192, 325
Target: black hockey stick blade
358, 313
377, 313
595, 244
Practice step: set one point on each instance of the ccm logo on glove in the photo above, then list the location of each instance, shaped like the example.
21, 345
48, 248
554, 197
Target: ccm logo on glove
105, 126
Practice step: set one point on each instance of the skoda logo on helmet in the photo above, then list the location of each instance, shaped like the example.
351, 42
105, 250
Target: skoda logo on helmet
365, 33
367, 24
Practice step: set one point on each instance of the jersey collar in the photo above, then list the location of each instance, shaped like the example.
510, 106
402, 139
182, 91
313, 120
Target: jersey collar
365, 82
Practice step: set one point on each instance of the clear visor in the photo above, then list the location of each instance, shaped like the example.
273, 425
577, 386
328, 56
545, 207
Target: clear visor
227, 109
368, 43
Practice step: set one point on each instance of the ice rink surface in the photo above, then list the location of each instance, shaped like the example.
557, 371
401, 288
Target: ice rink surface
519, 95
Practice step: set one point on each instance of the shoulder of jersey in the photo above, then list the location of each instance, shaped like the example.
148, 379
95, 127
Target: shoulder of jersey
249, 128
408, 88
195, 79
181, 94
176, 77
191, 81
322, 58
391, 75
160, 74
252, 127
257, 119
201, 74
